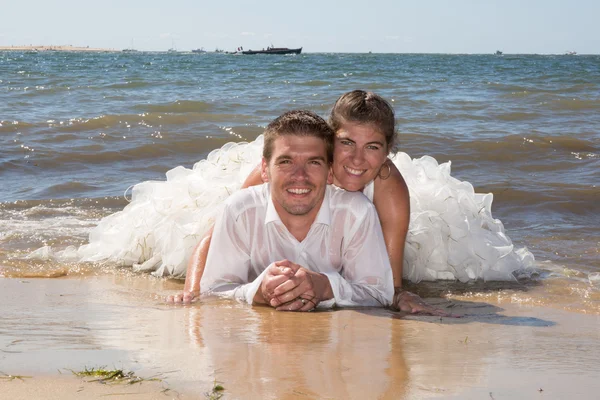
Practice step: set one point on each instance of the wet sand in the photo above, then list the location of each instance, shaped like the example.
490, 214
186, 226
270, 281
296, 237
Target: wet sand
497, 351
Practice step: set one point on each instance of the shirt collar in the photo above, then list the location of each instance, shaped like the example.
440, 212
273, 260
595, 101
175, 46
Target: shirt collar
323, 216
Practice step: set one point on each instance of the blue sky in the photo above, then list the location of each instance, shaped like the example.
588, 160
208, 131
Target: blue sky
397, 26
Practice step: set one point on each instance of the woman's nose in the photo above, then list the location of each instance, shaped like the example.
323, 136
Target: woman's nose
357, 156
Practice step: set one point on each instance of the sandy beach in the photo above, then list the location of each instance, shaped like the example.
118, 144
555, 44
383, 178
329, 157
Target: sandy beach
55, 48
51, 327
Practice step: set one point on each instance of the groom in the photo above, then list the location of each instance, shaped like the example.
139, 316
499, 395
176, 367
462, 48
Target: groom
296, 243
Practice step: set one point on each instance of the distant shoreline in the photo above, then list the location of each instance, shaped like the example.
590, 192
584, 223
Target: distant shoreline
55, 48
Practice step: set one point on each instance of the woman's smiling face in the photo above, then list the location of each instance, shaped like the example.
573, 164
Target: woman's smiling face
359, 152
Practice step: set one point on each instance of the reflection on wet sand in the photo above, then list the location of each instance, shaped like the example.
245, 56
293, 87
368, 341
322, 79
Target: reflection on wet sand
121, 321
339, 354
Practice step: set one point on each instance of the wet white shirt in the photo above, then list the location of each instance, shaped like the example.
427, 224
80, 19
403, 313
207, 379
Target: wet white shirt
345, 243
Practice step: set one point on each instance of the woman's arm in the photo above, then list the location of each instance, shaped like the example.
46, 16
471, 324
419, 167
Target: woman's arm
195, 269
254, 178
392, 201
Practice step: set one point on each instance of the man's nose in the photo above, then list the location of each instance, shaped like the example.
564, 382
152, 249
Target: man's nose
300, 173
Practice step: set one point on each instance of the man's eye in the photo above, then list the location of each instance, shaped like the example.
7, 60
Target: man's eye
346, 142
373, 147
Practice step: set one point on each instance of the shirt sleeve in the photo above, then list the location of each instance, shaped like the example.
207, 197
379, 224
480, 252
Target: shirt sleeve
366, 275
228, 263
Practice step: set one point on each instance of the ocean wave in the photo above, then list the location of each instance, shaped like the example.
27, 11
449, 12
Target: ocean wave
562, 198
179, 106
67, 189
128, 85
518, 146
572, 104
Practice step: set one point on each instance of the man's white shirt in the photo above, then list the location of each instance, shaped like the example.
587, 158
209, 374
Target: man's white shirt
345, 243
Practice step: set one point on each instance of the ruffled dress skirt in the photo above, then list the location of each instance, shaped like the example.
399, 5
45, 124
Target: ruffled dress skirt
452, 234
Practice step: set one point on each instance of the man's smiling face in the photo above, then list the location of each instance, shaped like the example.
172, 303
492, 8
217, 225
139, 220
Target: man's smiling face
298, 173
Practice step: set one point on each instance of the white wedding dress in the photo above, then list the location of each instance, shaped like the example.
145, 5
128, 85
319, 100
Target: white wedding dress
452, 234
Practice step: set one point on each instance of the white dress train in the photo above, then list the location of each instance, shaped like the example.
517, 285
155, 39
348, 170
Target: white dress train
452, 234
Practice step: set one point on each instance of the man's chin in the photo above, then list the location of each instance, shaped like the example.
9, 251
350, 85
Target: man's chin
298, 209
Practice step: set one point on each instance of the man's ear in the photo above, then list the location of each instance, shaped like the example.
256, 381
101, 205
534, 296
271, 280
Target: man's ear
330, 175
264, 173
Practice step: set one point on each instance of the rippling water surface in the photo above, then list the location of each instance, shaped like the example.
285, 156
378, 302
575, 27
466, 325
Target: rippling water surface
77, 129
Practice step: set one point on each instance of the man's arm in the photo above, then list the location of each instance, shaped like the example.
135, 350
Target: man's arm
228, 259
366, 277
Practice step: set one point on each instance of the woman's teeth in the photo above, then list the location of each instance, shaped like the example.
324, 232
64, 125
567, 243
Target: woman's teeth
355, 171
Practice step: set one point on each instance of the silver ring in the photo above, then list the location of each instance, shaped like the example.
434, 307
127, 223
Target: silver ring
303, 301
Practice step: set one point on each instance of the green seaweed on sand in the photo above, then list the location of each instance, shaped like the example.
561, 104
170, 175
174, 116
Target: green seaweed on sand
103, 375
12, 377
217, 391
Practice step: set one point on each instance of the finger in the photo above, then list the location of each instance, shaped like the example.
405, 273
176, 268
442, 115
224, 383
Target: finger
282, 263
294, 305
287, 286
271, 283
303, 303
288, 292
286, 267
276, 270
188, 298
299, 279
310, 302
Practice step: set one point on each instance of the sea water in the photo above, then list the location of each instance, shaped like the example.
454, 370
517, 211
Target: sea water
78, 129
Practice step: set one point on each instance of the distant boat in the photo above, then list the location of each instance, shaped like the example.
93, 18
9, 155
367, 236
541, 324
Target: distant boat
274, 50
200, 50
498, 53
131, 49
173, 49
571, 53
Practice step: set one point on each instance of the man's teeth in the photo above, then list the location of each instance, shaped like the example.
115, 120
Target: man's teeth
355, 171
299, 191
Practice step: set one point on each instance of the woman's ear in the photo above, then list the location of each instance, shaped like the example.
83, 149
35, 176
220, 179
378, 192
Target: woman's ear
264, 170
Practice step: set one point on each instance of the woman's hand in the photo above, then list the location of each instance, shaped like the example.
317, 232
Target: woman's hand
185, 297
414, 304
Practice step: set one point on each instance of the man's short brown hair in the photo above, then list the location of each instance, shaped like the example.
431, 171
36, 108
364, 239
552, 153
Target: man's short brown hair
299, 123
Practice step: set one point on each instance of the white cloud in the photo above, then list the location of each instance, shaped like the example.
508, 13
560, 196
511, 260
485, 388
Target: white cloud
169, 36
248, 34
392, 37
268, 35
